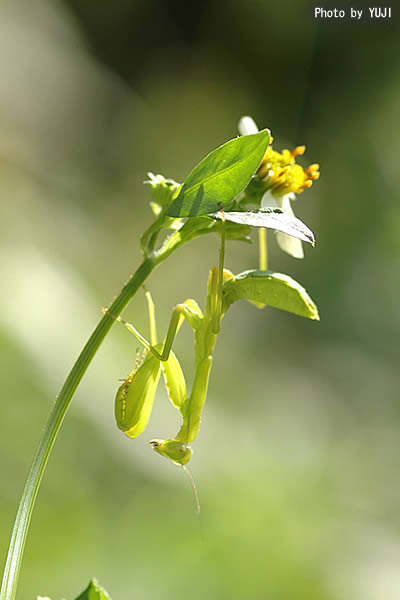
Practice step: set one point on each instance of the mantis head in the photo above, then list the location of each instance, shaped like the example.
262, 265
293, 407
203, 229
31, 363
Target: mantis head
176, 451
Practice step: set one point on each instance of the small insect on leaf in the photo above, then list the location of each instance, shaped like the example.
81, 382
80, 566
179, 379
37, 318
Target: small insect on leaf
272, 218
216, 181
135, 397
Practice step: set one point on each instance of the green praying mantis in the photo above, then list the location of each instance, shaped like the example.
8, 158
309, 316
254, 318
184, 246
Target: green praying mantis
134, 399
135, 396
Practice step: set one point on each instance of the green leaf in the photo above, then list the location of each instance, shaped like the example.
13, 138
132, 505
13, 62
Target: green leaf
197, 226
220, 176
272, 218
94, 592
273, 289
253, 193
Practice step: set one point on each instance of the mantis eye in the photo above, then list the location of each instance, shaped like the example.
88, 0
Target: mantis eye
176, 451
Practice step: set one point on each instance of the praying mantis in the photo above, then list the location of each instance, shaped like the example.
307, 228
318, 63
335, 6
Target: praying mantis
135, 396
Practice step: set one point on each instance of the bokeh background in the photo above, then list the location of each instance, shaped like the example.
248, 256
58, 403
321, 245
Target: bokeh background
297, 461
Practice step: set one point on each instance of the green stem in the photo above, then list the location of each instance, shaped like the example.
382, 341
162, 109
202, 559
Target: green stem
25, 509
218, 308
263, 249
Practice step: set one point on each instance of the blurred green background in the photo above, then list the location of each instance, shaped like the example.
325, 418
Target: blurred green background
297, 460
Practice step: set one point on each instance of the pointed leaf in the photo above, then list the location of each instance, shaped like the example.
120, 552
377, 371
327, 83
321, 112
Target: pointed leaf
197, 226
94, 592
272, 218
273, 289
220, 176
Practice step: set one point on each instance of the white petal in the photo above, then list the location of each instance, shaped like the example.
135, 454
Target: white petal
247, 126
285, 202
268, 200
288, 243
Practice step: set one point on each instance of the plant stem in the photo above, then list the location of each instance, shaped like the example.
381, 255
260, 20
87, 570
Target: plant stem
25, 509
263, 249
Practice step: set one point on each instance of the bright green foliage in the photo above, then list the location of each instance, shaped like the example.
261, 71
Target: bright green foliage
164, 191
183, 232
203, 225
272, 218
269, 288
94, 592
220, 176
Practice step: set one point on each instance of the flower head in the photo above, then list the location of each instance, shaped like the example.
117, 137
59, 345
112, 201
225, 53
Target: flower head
281, 177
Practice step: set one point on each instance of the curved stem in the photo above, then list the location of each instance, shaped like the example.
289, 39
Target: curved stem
25, 509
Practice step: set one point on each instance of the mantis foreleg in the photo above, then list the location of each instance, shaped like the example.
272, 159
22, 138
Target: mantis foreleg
189, 310
195, 403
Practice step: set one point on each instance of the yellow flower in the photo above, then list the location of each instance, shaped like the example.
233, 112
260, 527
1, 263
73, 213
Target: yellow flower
282, 175
282, 178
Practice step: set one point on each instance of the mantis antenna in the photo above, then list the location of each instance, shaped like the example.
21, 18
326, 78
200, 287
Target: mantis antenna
194, 488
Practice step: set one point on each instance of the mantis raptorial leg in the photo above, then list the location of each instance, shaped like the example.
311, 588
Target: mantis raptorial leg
206, 331
180, 311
